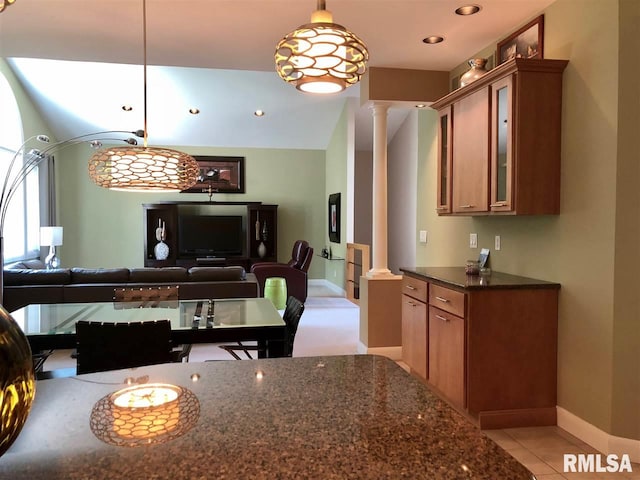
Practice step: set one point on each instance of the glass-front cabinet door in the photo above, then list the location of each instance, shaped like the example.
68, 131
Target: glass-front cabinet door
502, 145
443, 204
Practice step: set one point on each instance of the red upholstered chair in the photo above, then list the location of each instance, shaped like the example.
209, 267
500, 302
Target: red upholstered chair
294, 271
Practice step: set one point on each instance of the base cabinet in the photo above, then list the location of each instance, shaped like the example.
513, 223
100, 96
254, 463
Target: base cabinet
490, 350
415, 328
446, 355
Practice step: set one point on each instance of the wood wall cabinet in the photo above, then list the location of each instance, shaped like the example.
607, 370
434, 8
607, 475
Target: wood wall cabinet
491, 344
169, 212
470, 156
505, 132
415, 326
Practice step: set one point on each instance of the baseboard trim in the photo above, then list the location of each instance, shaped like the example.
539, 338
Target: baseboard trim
394, 353
522, 417
321, 282
598, 439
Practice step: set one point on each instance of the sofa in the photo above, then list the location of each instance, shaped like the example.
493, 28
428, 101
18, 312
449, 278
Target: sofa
24, 284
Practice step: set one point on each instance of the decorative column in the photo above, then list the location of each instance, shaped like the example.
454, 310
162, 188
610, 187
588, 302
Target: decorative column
379, 235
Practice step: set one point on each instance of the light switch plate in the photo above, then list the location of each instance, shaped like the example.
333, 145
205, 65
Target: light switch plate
498, 242
423, 236
473, 240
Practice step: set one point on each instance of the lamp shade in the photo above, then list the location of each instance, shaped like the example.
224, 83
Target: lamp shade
51, 236
322, 56
143, 169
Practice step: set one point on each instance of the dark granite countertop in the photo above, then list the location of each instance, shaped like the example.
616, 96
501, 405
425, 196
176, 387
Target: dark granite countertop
341, 417
456, 277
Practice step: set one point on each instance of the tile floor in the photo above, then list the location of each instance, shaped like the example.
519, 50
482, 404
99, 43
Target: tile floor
329, 326
541, 450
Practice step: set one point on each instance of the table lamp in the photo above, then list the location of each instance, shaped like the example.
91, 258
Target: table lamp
51, 237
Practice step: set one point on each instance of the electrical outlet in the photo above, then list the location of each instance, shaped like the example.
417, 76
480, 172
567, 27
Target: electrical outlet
473, 240
423, 236
498, 242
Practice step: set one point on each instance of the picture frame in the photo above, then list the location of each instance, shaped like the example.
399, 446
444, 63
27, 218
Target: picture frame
334, 217
526, 42
219, 175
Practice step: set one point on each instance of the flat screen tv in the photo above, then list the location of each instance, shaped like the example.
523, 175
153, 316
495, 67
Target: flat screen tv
209, 235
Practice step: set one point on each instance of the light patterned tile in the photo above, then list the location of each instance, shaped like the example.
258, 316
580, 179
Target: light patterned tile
503, 439
532, 462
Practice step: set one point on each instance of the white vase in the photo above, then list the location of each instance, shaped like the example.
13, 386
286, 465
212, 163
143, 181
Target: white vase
262, 250
161, 251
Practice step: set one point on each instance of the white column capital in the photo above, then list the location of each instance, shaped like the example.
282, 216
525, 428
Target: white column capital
378, 108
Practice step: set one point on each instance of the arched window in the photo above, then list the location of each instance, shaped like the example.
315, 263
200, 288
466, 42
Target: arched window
22, 224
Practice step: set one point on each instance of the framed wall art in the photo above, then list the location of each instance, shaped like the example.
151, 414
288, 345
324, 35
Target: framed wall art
219, 175
527, 42
334, 217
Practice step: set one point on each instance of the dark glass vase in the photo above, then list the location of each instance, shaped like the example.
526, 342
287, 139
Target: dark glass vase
17, 379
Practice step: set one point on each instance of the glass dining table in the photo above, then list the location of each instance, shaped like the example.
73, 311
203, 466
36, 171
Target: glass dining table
52, 326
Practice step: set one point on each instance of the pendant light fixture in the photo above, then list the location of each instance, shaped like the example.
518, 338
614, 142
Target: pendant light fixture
321, 56
5, 3
143, 168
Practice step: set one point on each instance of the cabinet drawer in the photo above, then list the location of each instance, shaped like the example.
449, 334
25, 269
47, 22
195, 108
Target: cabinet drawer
415, 288
446, 299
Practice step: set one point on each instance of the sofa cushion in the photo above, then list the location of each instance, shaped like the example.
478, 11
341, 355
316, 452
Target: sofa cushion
151, 275
99, 275
27, 276
215, 274
34, 263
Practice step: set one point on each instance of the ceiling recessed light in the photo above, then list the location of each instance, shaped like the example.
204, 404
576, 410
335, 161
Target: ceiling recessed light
259, 113
127, 108
433, 39
468, 9
421, 105
194, 111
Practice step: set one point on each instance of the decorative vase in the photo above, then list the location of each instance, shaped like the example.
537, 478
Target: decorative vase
477, 70
17, 380
265, 232
262, 250
161, 251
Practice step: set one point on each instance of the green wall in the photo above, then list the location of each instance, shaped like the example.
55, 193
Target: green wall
336, 175
104, 228
598, 360
32, 123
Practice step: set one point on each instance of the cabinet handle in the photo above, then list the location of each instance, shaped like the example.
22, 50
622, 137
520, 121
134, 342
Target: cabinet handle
467, 206
410, 287
440, 317
441, 299
411, 303
499, 204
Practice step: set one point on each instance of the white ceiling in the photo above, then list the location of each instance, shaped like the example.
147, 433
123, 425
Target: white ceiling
217, 55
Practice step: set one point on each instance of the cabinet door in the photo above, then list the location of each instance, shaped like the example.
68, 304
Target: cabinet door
446, 355
414, 335
443, 203
470, 162
501, 145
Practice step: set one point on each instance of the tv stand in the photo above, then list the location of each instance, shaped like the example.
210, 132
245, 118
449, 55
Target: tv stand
168, 212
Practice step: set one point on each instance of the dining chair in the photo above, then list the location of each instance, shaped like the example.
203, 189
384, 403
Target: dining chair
292, 313
157, 296
105, 346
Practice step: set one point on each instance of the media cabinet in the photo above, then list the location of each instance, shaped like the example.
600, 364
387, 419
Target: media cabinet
169, 213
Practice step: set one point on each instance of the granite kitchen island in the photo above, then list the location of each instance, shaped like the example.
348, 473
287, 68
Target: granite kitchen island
359, 417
